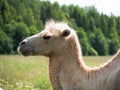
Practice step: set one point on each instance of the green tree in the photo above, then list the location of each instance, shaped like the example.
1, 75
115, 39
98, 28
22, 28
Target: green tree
92, 51
9, 28
29, 18
83, 40
57, 13
99, 42
92, 11
92, 24
1, 21
86, 24
118, 25
21, 32
33, 30
78, 14
104, 25
114, 43
6, 45
112, 22
46, 11
65, 8
6, 16
72, 23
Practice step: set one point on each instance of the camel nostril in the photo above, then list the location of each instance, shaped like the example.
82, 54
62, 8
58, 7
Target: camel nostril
23, 43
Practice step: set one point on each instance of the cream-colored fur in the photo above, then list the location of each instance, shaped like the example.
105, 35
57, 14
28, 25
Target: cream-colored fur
66, 66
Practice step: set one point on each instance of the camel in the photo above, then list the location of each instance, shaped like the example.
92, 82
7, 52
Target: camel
67, 70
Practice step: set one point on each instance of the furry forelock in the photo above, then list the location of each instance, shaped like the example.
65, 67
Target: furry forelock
56, 25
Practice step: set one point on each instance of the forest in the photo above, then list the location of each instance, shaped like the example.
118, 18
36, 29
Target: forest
99, 34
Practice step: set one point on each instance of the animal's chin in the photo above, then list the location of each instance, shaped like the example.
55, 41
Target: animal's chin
26, 51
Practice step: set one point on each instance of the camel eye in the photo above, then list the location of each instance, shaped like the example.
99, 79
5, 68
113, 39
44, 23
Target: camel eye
46, 37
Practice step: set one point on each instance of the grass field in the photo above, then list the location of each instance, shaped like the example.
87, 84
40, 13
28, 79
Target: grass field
31, 73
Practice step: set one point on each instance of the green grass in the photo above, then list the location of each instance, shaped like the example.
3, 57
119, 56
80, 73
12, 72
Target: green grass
31, 73
93, 61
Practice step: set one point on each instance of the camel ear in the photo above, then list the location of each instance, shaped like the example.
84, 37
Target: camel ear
66, 33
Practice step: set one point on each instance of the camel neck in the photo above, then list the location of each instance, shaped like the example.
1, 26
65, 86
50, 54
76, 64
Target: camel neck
67, 62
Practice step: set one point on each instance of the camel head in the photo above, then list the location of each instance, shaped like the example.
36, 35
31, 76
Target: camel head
52, 40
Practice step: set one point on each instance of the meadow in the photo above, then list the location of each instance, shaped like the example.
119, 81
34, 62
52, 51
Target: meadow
32, 73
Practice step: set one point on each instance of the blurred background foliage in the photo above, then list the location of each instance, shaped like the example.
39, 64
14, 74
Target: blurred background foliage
99, 34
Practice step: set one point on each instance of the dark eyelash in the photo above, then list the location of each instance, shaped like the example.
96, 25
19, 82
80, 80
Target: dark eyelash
46, 37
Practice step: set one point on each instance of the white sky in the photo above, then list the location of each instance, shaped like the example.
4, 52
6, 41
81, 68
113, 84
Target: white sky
105, 6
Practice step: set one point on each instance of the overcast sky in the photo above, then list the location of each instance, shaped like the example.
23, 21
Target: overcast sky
105, 6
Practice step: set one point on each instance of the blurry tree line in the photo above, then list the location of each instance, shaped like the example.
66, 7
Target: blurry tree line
99, 34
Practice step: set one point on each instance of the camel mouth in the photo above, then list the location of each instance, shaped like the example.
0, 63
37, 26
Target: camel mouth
25, 51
